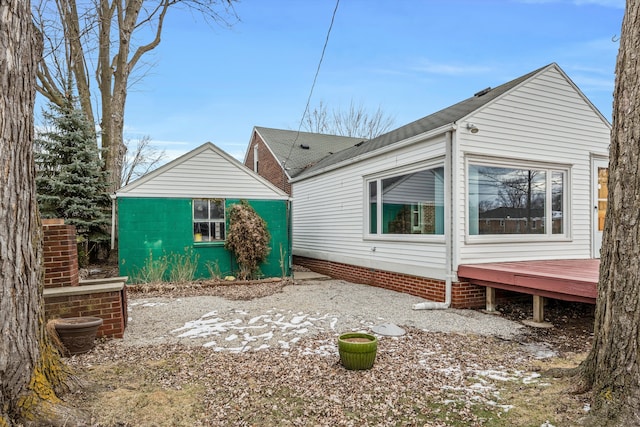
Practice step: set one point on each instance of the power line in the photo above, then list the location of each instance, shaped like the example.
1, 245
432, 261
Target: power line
313, 85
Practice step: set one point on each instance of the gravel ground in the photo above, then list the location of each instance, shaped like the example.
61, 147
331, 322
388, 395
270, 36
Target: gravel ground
289, 313
214, 354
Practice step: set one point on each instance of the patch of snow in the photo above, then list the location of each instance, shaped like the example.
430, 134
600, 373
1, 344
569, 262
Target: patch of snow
495, 375
298, 319
540, 350
333, 323
278, 323
255, 319
209, 314
145, 303
531, 378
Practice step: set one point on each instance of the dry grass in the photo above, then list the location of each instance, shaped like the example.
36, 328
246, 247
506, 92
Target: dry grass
423, 378
420, 379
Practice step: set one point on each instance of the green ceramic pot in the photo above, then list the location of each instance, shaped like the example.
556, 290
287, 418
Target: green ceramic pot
357, 350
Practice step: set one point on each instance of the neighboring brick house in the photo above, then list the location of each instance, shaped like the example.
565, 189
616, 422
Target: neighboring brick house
279, 155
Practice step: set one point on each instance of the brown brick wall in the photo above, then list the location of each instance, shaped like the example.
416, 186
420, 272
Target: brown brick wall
109, 306
268, 166
60, 255
463, 295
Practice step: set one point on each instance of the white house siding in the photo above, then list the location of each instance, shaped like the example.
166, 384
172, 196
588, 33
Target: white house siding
329, 218
205, 173
544, 120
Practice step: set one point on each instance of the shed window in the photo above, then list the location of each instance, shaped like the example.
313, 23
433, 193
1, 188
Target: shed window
407, 203
516, 200
208, 220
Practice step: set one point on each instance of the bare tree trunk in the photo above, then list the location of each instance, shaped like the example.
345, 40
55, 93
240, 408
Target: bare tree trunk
114, 72
19, 239
69, 10
30, 370
612, 369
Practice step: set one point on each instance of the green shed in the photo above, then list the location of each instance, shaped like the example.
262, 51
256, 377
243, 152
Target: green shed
177, 216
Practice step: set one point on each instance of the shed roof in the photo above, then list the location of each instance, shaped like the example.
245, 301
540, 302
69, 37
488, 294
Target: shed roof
299, 150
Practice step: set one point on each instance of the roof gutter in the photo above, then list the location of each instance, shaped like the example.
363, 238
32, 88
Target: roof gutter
449, 237
391, 147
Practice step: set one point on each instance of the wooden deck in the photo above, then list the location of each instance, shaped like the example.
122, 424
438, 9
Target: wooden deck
569, 280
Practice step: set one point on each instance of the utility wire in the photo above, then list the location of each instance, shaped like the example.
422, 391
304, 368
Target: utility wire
313, 85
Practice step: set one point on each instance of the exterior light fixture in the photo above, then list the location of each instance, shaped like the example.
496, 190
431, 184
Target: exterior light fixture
472, 128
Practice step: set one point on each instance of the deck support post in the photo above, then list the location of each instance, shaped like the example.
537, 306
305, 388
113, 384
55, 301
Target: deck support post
538, 309
491, 300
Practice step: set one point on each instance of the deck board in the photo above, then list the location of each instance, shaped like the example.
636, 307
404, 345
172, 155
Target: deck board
569, 280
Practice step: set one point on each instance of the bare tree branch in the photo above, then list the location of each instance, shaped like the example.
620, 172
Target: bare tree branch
97, 38
354, 122
140, 161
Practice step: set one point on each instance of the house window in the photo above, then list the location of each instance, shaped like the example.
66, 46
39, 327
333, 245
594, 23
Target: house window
208, 220
255, 158
408, 203
516, 200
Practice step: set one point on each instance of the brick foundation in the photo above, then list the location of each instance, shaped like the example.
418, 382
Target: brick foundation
463, 294
60, 254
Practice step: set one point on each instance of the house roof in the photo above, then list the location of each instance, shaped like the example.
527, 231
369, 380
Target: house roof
299, 150
441, 119
206, 171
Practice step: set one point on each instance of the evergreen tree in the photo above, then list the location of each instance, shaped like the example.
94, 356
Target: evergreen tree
70, 181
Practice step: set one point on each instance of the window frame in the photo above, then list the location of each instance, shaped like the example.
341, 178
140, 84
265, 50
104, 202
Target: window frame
549, 169
210, 221
390, 173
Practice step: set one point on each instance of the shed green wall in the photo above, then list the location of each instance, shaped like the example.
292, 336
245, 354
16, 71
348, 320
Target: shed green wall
163, 226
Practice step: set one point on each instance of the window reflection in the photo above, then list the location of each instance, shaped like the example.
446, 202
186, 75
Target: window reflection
412, 203
208, 220
514, 201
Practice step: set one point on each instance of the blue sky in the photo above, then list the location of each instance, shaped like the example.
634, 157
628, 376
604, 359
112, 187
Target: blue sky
408, 57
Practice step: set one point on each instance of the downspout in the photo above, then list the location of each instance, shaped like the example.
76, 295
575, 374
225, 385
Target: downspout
450, 235
113, 221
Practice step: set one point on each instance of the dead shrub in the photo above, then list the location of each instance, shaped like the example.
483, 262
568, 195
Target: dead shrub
248, 239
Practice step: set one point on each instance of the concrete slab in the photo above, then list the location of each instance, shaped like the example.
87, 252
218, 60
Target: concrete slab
388, 329
309, 275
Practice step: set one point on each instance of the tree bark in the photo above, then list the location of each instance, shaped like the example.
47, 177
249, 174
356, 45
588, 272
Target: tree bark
30, 370
612, 368
20, 252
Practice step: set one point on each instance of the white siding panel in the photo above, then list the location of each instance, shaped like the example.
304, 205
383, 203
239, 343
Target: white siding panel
329, 218
545, 120
205, 174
